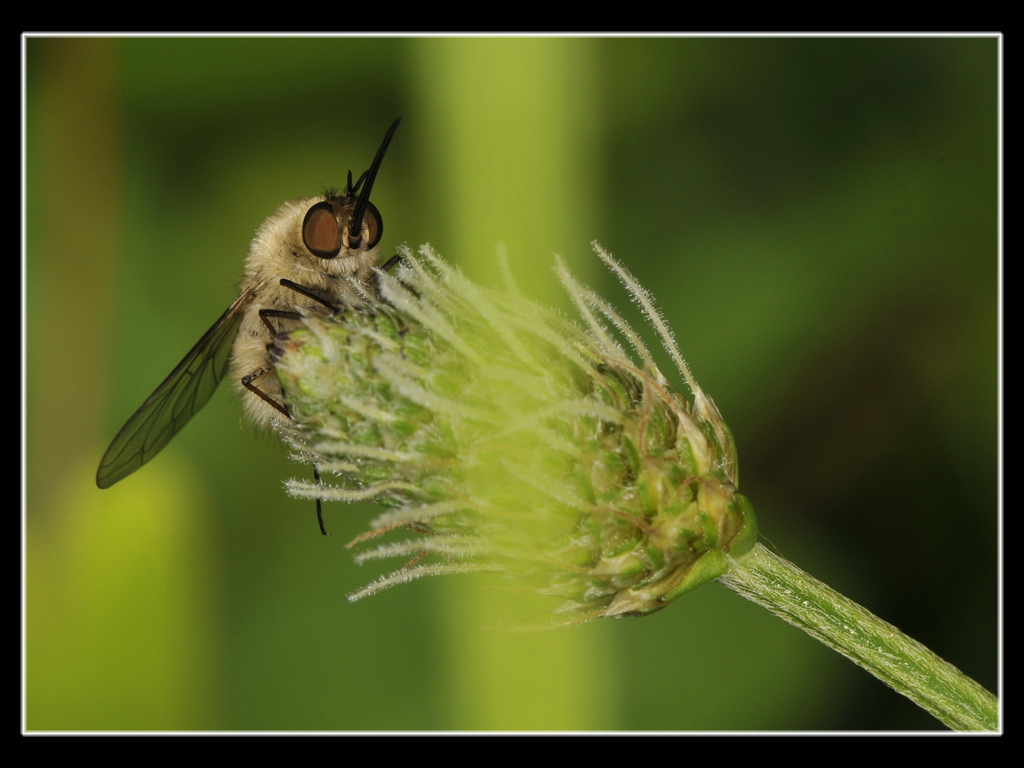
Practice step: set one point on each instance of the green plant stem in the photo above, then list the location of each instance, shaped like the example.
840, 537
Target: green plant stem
897, 660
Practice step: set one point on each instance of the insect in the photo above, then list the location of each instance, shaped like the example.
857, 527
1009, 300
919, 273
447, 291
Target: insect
303, 259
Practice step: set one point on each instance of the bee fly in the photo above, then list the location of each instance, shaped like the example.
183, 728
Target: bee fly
303, 259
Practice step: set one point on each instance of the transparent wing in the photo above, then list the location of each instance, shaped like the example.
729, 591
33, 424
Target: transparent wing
188, 388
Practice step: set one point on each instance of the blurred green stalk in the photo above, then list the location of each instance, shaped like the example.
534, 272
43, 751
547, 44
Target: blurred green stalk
512, 109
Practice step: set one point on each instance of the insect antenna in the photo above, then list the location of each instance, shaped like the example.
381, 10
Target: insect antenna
353, 190
355, 224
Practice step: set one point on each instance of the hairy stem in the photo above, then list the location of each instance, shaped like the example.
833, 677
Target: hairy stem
897, 660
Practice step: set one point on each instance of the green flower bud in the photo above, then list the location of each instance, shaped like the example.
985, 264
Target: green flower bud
503, 437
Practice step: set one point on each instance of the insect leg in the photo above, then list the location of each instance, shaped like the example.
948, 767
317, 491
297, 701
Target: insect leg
388, 265
247, 382
391, 263
308, 293
319, 509
265, 314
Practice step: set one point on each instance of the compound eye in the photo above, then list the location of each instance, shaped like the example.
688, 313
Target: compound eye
320, 231
374, 223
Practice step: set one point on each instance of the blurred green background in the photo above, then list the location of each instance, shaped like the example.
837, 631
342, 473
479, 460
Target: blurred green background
818, 219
